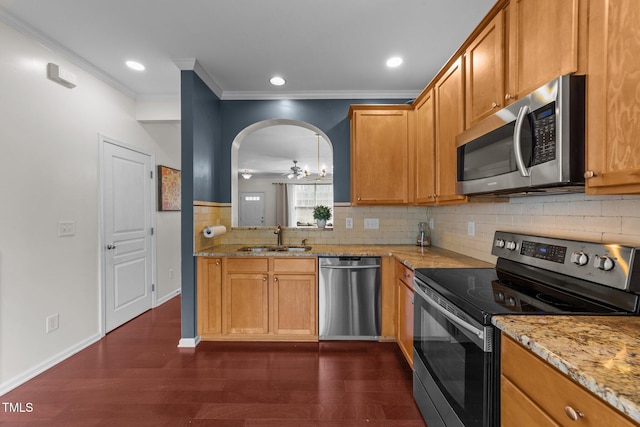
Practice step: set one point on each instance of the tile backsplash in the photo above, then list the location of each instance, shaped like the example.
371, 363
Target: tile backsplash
578, 216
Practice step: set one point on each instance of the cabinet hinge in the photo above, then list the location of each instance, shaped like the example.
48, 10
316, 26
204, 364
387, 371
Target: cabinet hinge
153, 287
151, 174
152, 231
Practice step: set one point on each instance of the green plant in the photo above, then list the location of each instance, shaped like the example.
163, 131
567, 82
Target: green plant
322, 212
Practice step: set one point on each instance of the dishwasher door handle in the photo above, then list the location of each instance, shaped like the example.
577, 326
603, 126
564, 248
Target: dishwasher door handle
349, 267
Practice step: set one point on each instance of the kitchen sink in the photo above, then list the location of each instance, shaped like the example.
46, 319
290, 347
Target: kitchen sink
263, 248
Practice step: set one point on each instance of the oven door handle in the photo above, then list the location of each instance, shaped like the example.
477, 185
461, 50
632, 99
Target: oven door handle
453, 318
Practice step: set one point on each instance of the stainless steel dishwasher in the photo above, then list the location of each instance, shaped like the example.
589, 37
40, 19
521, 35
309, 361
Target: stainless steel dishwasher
349, 303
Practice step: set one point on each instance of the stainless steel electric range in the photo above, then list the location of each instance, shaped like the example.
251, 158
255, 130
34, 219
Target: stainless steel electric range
456, 348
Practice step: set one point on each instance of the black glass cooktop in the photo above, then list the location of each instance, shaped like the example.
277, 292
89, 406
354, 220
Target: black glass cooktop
483, 292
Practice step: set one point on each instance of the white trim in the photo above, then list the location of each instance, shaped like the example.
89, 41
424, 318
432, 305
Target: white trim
73, 57
167, 297
189, 342
47, 364
193, 65
103, 139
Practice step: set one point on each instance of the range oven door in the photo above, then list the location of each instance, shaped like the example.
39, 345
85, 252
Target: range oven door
456, 377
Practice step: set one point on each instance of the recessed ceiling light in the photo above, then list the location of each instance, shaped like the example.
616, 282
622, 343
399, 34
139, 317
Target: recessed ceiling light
277, 81
135, 65
394, 62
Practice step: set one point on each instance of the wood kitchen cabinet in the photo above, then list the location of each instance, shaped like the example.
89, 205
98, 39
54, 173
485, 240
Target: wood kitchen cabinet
542, 43
449, 122
295, 297
404, 297
209, 288
258, 298
380, 153
485, 71
533, 393
425, 149
613, 84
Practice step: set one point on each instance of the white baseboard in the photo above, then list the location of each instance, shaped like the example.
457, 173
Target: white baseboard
14, 382
189, 342
167, 297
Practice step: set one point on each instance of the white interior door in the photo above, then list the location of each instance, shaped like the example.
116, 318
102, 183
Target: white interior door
127, 235
251, 209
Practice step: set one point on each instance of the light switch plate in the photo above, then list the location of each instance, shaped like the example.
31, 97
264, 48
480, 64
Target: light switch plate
371, 224
471, 228
349, 223
66, 228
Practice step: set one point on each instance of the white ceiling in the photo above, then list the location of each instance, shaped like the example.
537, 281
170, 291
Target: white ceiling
323, 48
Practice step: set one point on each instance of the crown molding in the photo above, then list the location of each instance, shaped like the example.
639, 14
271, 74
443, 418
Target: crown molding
70, 55
242, 95
192, 64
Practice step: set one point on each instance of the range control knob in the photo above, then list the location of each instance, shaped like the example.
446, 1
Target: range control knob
579, 258
511, 245
499, 243
604, 263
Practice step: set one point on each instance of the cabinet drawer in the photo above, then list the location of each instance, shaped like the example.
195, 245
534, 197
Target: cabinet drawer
294, 265
553, 391
405, 274
249, 264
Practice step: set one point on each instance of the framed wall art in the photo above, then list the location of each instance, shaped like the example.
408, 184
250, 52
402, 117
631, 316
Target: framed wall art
168, 189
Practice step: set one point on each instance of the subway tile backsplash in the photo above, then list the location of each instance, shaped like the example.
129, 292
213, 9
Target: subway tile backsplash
599, 218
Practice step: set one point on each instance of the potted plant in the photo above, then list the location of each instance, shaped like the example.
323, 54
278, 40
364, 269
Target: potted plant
321, 214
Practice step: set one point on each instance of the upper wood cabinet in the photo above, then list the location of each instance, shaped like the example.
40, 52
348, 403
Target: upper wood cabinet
424, 156
449, 110
380, 167
613, 108
542, 43
484, 61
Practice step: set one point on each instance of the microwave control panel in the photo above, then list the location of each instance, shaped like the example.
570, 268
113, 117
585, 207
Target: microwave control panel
544, 134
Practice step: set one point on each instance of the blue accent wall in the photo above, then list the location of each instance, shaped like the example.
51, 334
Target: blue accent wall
328, 115
200, 151
209, 127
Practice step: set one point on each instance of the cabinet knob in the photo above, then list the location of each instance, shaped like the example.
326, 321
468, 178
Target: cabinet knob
589, 174
217, 262
275, 279
573, 414
508, 96
494, 105
264, 278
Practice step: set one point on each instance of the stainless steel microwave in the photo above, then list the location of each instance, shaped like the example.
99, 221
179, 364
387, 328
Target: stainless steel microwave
535, 145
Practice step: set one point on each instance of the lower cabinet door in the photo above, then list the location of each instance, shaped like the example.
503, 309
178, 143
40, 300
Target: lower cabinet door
294, 304
246, 304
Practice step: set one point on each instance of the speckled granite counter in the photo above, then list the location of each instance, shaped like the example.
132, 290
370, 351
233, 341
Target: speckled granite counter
411, 256
600, 352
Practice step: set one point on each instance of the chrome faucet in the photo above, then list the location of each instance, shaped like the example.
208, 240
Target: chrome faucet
278, 232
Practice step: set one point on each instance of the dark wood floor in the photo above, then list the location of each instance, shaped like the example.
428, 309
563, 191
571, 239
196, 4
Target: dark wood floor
137, 376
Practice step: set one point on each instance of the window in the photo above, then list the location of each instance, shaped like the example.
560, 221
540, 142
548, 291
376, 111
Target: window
309, 196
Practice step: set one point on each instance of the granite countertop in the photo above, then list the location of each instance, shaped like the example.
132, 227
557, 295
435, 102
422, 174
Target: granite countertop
602, 353
411, 256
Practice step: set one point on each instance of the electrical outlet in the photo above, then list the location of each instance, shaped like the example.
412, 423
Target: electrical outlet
171, 273
66, 228
431, 223
371, 224
471, 228
349, 223
53, 322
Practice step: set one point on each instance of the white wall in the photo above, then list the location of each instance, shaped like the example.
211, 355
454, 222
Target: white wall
48, 173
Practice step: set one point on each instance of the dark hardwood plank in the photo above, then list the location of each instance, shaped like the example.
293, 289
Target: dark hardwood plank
137, 376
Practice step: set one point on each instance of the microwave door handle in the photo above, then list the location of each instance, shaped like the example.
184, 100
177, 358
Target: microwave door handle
517, 146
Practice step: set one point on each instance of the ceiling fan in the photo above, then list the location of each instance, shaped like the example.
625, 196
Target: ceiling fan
296, 171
